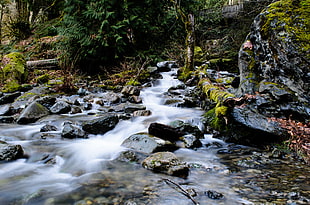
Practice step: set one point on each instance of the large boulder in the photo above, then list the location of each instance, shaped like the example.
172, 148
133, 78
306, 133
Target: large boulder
167, 163
32, 113
10, 152
274, 60
274, 76
100, 125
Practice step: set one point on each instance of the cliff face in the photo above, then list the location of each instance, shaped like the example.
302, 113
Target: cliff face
275, 59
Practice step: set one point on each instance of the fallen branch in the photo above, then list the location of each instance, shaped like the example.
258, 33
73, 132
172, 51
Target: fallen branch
183, 191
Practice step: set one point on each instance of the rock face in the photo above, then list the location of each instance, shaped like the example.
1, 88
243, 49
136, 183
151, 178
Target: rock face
274, 61
274, 69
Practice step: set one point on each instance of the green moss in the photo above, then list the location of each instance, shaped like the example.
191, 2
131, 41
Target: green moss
291, 17
43, 79
221, 111
184, 74
11, 86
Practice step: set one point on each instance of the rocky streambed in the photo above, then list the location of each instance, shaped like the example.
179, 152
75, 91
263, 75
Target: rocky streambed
136, 146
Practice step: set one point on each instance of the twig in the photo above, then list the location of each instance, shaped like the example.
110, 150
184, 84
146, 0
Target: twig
182, 190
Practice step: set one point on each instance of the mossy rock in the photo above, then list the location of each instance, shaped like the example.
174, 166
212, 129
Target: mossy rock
43, 79
14, 71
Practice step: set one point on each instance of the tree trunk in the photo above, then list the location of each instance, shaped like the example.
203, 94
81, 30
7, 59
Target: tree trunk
190, 42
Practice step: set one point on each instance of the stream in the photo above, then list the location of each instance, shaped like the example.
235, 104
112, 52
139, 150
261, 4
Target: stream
86, 171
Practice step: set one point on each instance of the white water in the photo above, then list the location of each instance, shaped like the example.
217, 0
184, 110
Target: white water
74, 158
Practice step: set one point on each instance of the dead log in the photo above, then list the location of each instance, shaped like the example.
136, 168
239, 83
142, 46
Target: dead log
44, 64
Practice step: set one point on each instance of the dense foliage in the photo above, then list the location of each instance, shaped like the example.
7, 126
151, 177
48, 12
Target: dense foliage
101, 32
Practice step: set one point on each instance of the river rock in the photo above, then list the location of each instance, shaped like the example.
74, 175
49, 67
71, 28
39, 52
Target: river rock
146, 143
130, 90
130, 108
47, 101
255, 129
9, 97
6, 119
10, 152
60, 107
72, 131
167, 163
165, 132
100, 125
32, 113
142, 113
48, 128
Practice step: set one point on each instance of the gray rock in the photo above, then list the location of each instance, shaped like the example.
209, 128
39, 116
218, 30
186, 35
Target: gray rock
47, 101
130, 90
6, 119
9, 152
5, 110
130, 108
72, 131
165, 132
142, 113
48, 128
32, 113
100, 125
60, 107
9, 98
146, 143
167, 163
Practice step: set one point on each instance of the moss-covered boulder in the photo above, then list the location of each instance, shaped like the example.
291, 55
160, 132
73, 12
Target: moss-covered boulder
13, 71
276, 52
275, 73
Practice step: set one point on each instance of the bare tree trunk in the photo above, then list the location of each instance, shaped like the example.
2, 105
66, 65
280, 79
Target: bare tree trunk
190, 42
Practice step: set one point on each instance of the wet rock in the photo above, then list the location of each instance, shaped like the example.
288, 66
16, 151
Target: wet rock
190, 141
135, 99
214, 194
72, 131
130, 108
9, 152
165, 132
130, 90
167, 163
100, 125
75, 109
6, 119
60, 107
110, 98
142, 113
187, 128
131, 156
32, 113
47, 101
146, 143
48, 128
87, 106
252, 128
9, 98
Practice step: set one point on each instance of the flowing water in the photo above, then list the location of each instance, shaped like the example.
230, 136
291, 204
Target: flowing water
84, 171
